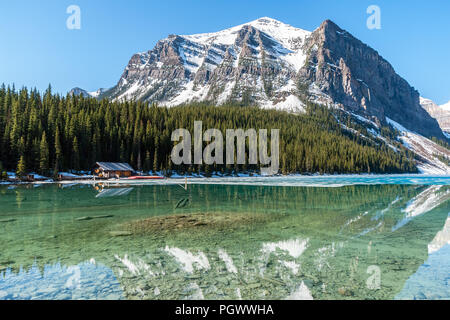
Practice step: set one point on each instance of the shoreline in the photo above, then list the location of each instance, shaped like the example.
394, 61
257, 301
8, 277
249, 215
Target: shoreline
335, 180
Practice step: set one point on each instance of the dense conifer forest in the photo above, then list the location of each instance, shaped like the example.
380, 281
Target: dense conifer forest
47, 133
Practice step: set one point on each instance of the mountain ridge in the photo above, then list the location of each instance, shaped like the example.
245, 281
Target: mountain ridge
274, 65
440, 113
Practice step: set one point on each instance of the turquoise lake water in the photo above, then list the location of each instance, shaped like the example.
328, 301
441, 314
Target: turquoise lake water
348, 237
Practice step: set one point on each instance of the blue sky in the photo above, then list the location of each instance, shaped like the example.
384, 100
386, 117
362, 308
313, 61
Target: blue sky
36, 48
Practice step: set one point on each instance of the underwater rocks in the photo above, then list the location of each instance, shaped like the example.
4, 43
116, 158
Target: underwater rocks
93, 217
182, 203
345, 292
4, 265
161, 224
120, 233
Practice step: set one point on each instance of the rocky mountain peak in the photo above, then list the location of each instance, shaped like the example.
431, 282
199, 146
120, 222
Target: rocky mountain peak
329, 25
440, 113
356, 78
78, 91
274, 65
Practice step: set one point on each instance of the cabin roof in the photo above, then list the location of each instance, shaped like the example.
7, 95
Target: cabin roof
115, 166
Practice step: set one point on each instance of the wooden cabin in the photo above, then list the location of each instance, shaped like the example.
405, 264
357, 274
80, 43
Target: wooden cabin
113, 170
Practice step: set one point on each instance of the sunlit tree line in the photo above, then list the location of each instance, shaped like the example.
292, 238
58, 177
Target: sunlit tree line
48, 133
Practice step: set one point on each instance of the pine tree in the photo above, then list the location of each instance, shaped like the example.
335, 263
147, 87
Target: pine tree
21, 168
75, 155
139, 161
119, 131
155, 161
58, 151
3, 174
44, 155
156, 155
122, 152
147, 162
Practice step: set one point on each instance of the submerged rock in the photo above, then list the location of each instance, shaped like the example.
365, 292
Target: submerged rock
345, 292
83, 218
182, 203
93, 217
120, 233
4, 265
200, 221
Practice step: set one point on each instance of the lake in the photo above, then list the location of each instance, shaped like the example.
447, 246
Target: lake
341, 237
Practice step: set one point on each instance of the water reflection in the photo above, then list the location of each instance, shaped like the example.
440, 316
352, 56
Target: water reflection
228, 241
56, 282
431, 281
113, 192
441, 239
426, 201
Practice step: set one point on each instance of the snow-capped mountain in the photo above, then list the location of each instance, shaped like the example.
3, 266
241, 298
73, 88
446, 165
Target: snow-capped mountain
429, 154
446, 106
274, 65
256, 62
440, 113
78, 91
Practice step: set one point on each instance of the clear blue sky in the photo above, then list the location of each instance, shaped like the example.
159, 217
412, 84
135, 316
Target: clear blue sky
36, 48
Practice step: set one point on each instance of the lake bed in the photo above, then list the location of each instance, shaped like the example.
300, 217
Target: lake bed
351, 237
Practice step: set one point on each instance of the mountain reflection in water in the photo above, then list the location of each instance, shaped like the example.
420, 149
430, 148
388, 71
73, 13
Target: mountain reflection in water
227, 242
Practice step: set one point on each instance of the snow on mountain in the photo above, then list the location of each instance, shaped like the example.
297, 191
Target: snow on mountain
78, 91
440, 113
256, 61
94, 94
274, 65
427, 150
97, 93
446, 106
288, 38
424, 102
269, 63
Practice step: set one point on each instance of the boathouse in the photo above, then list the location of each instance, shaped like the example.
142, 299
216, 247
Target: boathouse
113, 170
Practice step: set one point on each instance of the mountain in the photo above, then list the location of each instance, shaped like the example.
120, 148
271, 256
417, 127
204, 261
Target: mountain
253, 63
440, 113
446, 106
431, 158
274, 65
78, 91
356, 78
